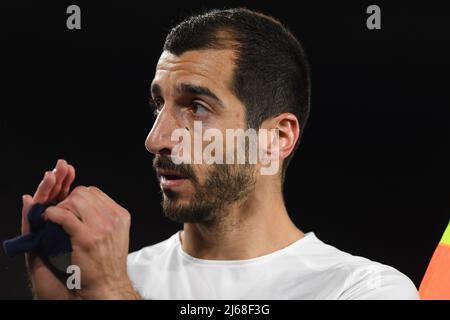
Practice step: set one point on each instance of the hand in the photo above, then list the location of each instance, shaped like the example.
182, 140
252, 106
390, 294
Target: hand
99, 229
54, 187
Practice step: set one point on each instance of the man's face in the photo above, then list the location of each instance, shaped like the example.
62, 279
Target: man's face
195, 86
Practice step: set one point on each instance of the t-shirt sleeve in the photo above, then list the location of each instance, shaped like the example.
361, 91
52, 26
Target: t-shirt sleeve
379, 283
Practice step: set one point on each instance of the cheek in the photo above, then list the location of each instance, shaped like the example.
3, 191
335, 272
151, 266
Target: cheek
236, 119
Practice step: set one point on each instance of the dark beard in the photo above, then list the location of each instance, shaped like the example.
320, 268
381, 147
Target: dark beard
224, 186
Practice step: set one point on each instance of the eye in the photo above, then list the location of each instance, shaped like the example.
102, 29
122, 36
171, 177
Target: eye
199, 109
157, 104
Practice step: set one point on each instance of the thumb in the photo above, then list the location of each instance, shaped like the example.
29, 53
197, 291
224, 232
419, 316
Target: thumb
27, 203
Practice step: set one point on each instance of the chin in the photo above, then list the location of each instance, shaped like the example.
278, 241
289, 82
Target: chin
175, 198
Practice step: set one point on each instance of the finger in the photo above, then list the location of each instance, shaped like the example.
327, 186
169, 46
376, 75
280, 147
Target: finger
65, 188
60, 172
104, 197
112, 209
45, 187
91, 209
67, 206
27, 202
109, 208
66, 219
100, 195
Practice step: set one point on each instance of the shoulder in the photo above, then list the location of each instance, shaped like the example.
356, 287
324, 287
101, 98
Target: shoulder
356, 277
376, 281
150, 253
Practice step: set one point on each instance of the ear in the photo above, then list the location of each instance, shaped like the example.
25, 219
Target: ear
288, 131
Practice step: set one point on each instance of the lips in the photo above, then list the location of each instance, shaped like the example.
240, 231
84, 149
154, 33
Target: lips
170, 175
171, 179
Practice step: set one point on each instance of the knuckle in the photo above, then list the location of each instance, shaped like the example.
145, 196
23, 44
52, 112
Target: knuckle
123, 213
93, 188
107, 229
74, 197
79, 190
88, 242
97, 239
115, 219
121, 217
67, 203
126, 216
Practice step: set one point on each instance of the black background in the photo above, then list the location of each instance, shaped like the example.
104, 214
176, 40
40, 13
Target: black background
371, 176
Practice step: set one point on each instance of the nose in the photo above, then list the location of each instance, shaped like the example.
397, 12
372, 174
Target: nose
158, 140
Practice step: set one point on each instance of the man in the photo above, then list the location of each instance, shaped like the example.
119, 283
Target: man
225, 69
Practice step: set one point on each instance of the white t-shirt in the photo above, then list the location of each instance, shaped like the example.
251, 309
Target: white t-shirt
306, 269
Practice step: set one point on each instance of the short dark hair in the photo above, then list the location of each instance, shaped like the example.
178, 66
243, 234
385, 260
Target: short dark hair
271, 73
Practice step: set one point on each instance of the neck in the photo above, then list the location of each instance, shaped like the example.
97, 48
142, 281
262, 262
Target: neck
258, 226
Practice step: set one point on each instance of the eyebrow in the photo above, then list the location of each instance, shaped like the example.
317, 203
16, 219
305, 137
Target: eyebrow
204, 91
189, 88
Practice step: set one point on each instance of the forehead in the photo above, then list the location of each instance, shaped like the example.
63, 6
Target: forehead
212, 68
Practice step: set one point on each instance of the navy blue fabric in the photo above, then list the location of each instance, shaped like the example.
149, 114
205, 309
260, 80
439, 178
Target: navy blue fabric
46, 238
